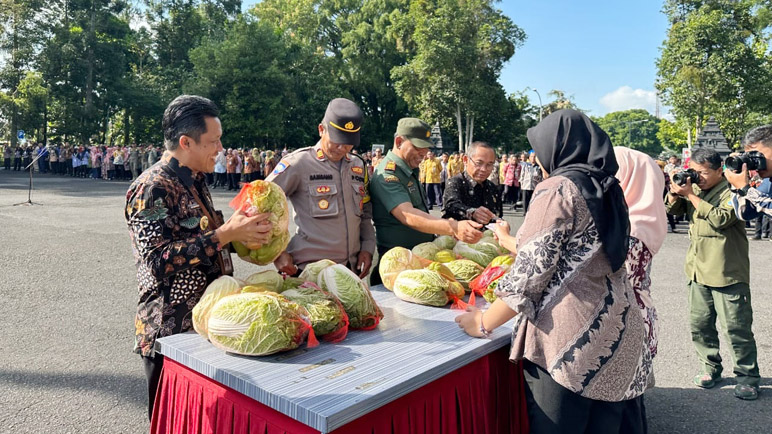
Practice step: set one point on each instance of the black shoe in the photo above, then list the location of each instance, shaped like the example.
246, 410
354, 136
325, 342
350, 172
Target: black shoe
757, 237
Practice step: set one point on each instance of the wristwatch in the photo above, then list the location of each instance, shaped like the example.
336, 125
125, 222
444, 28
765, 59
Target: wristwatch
742, 191
470, 212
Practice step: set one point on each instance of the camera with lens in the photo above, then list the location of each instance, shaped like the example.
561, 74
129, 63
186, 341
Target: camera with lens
754, 159
682, 176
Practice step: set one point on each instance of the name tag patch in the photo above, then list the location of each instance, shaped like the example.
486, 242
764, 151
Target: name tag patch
320, 176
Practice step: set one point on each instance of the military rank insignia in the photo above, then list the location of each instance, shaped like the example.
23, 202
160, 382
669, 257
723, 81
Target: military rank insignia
358, 170
323, 189
391, 166
391, 178
319, 154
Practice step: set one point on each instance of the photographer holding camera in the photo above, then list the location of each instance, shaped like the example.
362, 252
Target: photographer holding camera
718, 268
748, 201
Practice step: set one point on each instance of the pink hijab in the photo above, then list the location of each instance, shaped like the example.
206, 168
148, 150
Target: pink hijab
643, 184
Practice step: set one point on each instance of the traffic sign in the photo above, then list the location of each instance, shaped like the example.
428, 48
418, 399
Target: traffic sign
20, 134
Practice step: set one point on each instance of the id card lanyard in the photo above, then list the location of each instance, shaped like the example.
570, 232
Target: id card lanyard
213, 220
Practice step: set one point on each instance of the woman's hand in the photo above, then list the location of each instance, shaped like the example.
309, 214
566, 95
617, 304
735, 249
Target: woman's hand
501, 229
470, 321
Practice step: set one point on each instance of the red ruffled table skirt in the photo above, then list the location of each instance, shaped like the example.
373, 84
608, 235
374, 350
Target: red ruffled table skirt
486, 396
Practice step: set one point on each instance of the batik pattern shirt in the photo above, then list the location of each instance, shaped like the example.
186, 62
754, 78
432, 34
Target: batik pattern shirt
463, 195
577, 318
176, 258
638, 266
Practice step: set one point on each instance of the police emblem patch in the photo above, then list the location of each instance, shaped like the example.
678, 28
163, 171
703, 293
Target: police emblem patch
281, 167
349, 125
358, 170
323, 189
323, 204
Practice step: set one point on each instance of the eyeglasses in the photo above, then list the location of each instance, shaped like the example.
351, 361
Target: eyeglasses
479, 164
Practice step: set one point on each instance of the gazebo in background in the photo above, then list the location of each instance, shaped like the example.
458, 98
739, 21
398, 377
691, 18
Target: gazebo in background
712, 138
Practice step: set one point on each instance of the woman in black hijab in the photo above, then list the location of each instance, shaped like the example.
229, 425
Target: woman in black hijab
578, 332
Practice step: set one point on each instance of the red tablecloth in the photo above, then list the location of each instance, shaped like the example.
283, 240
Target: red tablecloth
485, 396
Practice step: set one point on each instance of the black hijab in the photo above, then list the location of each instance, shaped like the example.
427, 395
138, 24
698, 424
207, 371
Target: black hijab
569, 144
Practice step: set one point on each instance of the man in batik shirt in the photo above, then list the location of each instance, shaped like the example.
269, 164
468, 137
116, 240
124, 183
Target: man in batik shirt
179, 240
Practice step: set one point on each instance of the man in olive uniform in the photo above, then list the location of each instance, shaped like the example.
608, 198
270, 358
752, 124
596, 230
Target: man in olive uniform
400, 210
718, 269
327, 186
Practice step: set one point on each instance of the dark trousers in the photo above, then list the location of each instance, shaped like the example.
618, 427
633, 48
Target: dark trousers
153, 367
731, 305
553, 409
209, 178
119, 171
220, 179
433, 194
526, 199
233, 181
17, 164
7, 163
763, 226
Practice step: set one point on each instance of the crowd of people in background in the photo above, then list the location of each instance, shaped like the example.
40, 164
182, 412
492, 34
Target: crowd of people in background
516, 175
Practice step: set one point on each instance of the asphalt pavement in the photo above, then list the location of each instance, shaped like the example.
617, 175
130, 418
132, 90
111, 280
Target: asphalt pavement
68, 290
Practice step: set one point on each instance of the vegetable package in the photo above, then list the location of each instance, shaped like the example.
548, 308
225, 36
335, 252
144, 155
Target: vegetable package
488, 280
259, 197
327, 315
363, 312
395, 261
258, 324
220, 288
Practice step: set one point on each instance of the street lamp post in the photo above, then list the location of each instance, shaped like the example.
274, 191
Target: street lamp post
540, 104
630, 130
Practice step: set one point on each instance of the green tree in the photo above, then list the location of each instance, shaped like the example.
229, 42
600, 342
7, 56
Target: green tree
672, 136
715, 62
21, 34
560, 101
635, 129
458, 49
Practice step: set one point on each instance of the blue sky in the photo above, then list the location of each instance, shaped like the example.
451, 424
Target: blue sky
601, 52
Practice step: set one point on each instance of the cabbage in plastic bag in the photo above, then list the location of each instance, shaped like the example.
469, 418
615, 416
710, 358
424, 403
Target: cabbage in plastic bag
445, 256
258, 197
445, 242
425, 287
363, 312
269, 280
394, 262
327, 315
221, 287
312, 270
464, 270
258, 324
486, 283
481, 253
426, 250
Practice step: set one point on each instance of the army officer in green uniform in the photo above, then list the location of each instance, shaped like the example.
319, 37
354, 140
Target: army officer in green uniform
399, 203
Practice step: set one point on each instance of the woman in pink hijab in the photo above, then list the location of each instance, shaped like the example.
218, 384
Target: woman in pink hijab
642, 182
